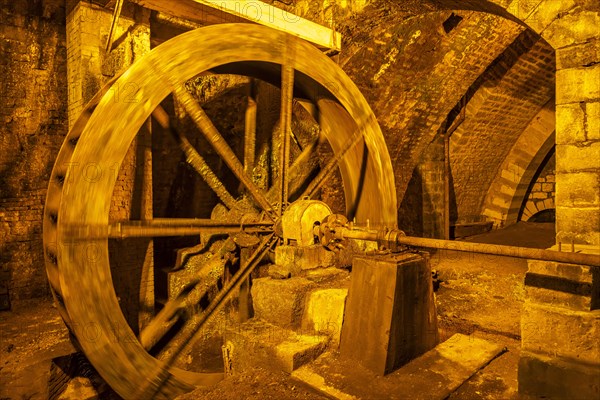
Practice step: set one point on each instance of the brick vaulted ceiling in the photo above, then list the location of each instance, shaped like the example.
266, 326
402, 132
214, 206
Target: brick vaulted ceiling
512, 91
414, 68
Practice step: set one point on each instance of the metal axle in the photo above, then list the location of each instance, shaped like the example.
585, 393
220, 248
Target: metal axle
395, 238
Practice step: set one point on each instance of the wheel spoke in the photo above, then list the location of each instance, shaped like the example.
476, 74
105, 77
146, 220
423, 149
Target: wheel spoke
301, 169
326, 171
195, 159
221, 147
287, 97
158, 379
161, 227
250, 131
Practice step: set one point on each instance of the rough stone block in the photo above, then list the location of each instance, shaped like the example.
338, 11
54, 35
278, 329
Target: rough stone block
562, 285
557, 298
548, 203
79, 388
578, 55
572, 28
557, 378
256, 343
570, 127
579, 189
321, 275
559, 332
437, 374
280, 302
296, 258
301, 349
579, 224
279, 272
578, 273
530, 208
592, 110
325, 312
578, 84
522, 8
547, 187
542, 13
571, 158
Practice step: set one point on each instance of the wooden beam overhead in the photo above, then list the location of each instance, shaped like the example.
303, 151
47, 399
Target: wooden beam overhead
210, 12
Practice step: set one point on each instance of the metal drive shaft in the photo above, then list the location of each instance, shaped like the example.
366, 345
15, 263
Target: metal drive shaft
394, 238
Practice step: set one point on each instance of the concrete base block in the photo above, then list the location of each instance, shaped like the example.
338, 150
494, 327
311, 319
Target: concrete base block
390, 315
558, 378
280, 301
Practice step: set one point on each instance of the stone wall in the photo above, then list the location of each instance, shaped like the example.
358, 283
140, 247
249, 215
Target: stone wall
33, 113
541, 195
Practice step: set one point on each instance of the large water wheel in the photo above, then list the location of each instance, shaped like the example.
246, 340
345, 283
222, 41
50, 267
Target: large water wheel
77, 208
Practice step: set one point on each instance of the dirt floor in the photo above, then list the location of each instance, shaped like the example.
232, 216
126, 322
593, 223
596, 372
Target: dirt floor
31, 335
479, 295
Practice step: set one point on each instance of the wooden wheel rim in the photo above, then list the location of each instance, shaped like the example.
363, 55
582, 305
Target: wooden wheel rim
84, 278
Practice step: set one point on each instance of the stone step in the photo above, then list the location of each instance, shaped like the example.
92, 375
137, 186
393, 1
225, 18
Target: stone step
257, 343
434, 375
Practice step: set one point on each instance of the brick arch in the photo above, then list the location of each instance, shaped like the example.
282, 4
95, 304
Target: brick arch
505, 195
537, 15
534, 207
569, 27
413, 73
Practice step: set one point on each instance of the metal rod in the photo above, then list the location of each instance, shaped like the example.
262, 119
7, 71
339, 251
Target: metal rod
303, 167
195, 159
222, 148
160, 228
250, 131
285, 118
502, 250
113, 25
166, 318
447, 187
330, 167
146, 293
481, 248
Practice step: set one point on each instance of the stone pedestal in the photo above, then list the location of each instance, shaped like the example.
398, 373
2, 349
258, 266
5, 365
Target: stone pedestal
390, 313
560, 325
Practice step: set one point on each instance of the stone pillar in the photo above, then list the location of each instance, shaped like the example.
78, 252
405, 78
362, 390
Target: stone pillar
561, 318
560, 326
89, 67
422, 210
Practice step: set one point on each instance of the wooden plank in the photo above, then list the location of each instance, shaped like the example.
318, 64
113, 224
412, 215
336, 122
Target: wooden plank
433, 376
255, 11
